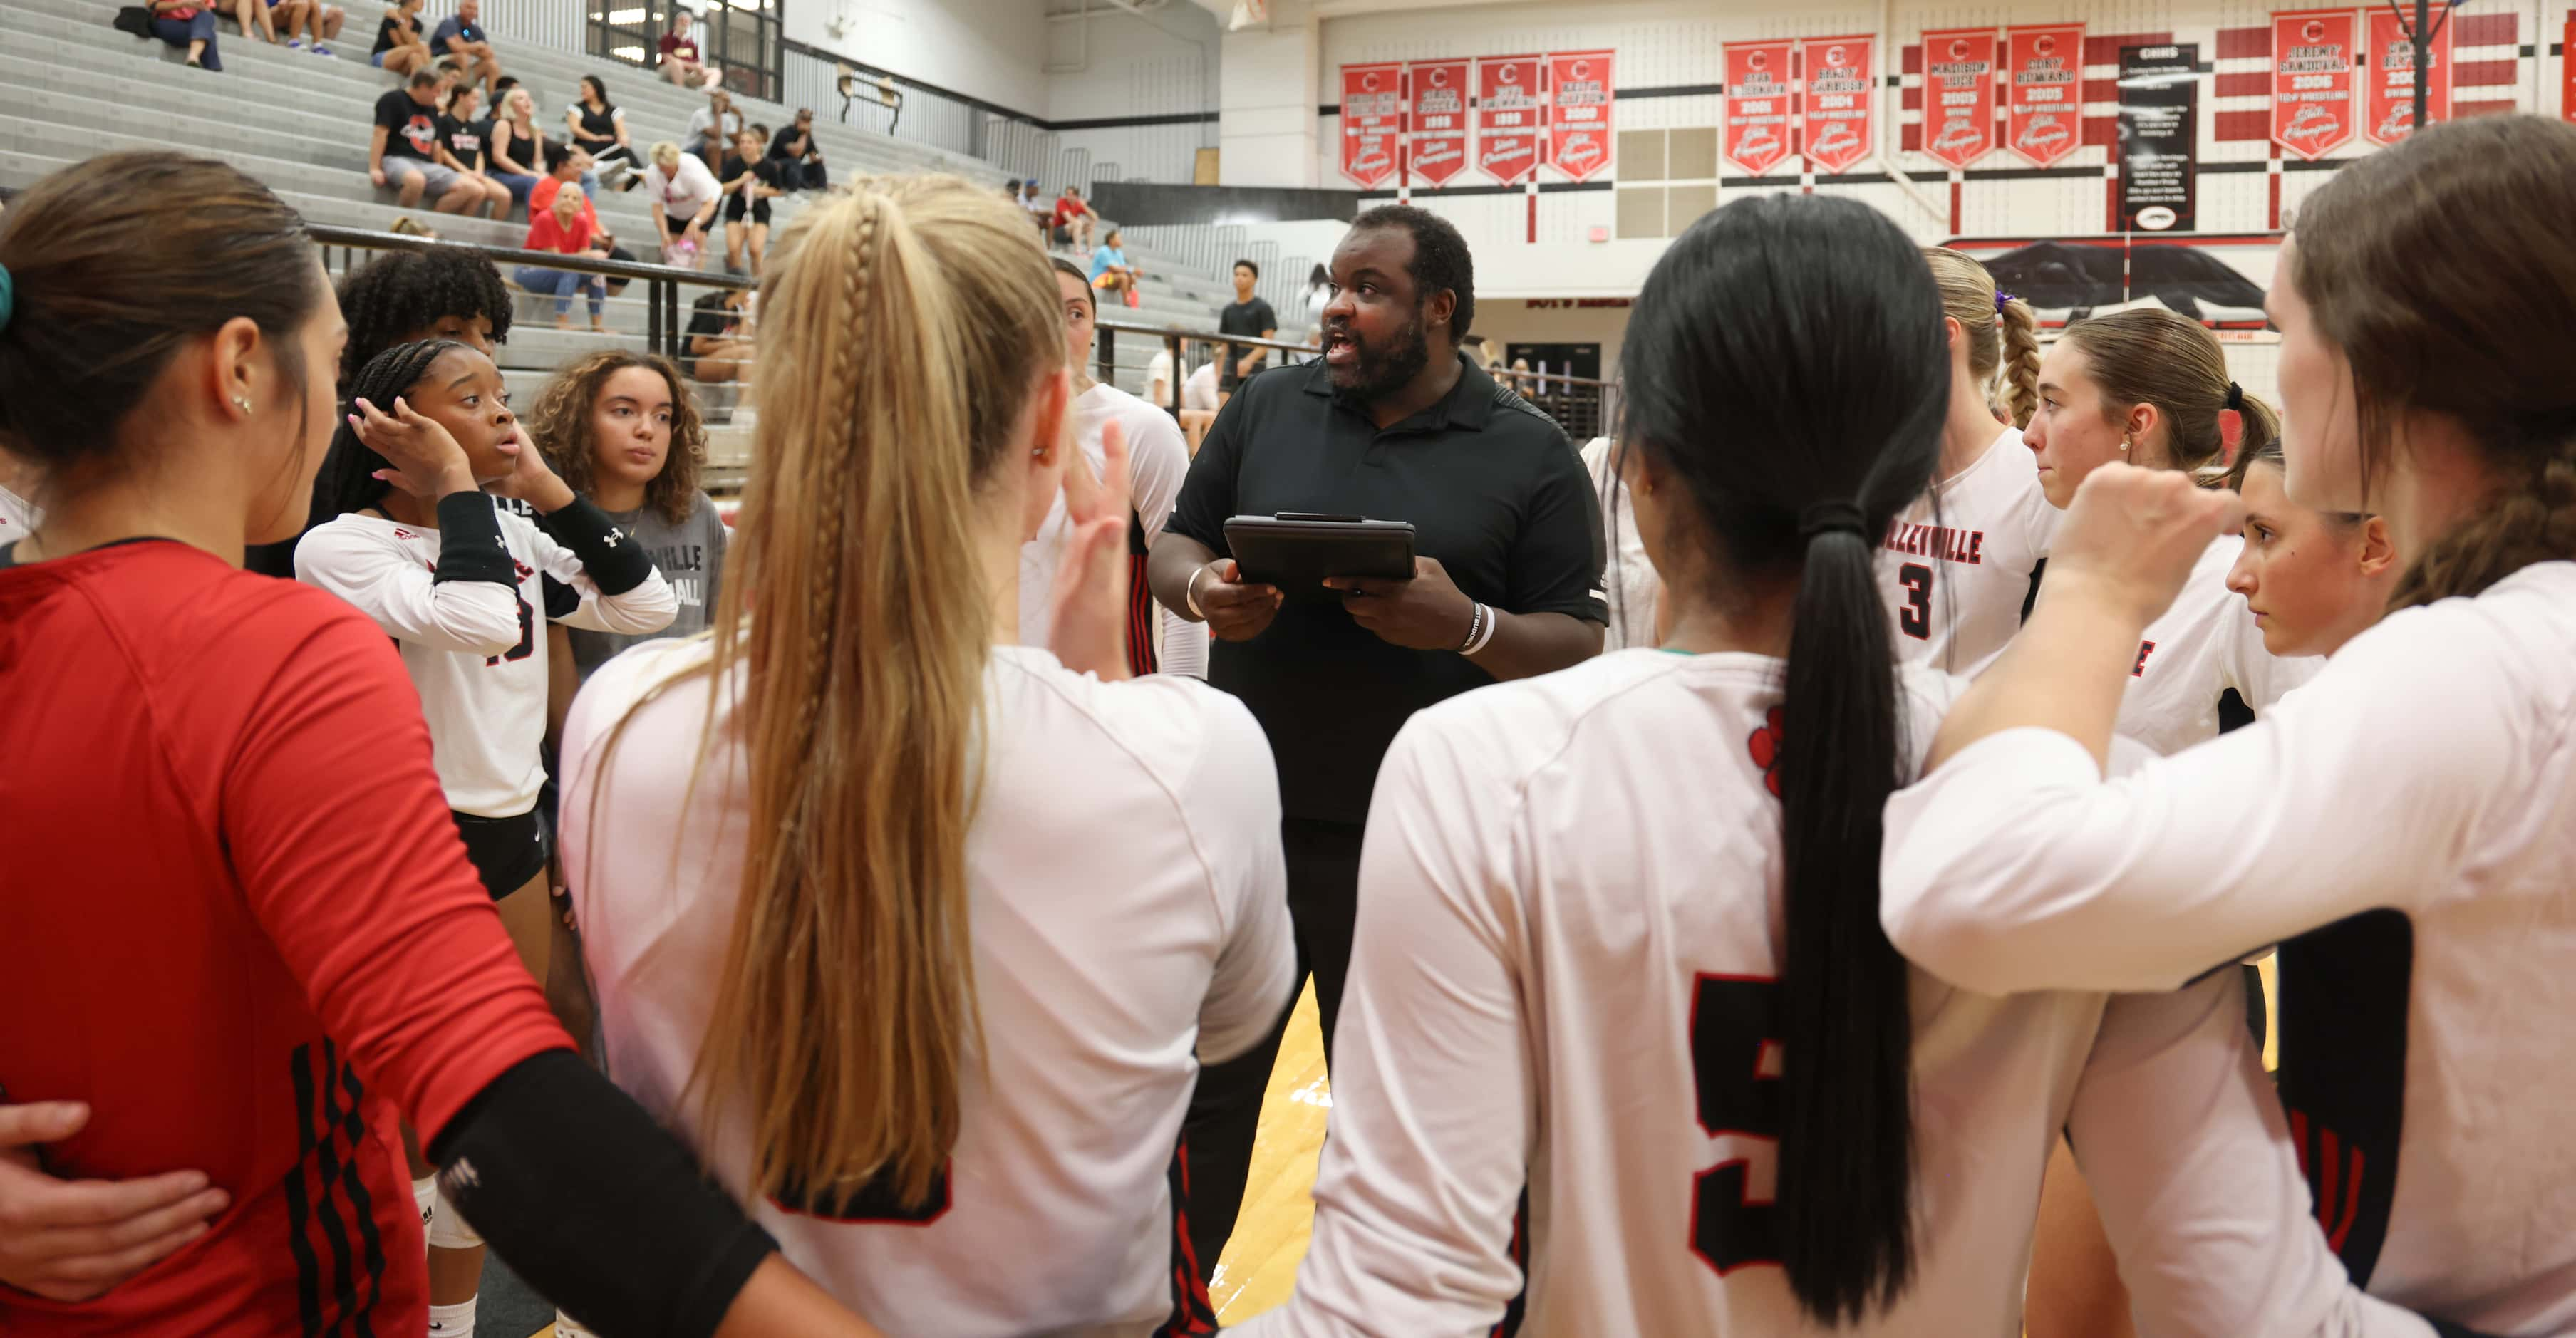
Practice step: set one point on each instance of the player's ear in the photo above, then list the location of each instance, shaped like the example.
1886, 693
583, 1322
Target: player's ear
2378, 552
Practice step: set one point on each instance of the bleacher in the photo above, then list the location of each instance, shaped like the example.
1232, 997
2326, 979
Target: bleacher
72, 86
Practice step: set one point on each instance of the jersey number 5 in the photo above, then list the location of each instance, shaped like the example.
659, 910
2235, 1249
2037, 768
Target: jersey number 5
1916, 617
1735, 1064
527, 637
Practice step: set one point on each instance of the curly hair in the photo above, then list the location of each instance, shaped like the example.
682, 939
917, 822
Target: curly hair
399, 295
1440, 258
559, 422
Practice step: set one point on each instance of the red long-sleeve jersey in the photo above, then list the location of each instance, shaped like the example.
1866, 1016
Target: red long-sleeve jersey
237, 920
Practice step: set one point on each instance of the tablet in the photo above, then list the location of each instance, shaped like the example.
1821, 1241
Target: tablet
1295, 550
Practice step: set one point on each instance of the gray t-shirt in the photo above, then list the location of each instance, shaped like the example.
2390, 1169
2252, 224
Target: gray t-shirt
690, 555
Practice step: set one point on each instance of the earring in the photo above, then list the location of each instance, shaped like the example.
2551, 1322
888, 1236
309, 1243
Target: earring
242, 402
1039, 454
2124, 443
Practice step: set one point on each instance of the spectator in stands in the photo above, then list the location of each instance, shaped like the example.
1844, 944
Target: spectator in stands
565, 229
800, 163
566, 171
684, 195
320, 22
598, 128
1011, 190
460, 39
257, 16
680, 61
400, 45
750, 183
520, 151
1199, 399
465, 145
1041, 214
720, 336
1073, 220
191, 25
1248, 315
712, 128
403, 149
1319, 295
1110, 272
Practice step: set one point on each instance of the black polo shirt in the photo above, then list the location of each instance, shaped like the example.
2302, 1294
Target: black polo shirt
1495, 493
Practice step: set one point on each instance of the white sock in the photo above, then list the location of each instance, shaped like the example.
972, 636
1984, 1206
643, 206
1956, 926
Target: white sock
424, 1196
453, 1321
568, 1327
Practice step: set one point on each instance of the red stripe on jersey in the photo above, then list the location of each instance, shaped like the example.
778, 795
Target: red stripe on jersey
2330, 1163
1192, 1312
2351, 1204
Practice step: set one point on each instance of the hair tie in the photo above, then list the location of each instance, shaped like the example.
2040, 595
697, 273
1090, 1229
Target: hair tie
2235, 397
2231, 424
8, 297
2003, 300
1831, 518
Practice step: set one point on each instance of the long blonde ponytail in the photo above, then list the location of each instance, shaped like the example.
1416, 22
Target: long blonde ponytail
2002, 333
904, 325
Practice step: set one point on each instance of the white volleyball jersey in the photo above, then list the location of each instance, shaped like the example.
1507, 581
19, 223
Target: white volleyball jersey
1563, 982
475, 649
17, 517
2428, 769
2205, 644
1157, 460
1956, 566
1128, 920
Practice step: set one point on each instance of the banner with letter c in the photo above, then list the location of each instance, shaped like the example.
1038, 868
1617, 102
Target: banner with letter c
1439, 120
1509, 117
1760, 99
1841, 95
2044, 99
2312, 99
2388, 79
1579, 101
1959, 95
1372, 122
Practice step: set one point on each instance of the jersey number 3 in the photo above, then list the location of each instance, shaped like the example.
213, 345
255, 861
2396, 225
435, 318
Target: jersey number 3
1916, 617
1735, 1064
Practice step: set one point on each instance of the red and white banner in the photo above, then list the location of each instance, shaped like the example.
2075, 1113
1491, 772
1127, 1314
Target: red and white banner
2567, 78
1959, 95
1439, 120
1579, 98
1761, 96
1840, 86
1510, 117
2044, 94
2388, 78
1372, 122
2312, 64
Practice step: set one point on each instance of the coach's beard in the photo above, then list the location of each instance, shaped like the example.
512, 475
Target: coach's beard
1376, 371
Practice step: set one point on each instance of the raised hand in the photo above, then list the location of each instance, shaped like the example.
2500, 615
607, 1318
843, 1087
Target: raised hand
2131, 537
426, 460
1087, 609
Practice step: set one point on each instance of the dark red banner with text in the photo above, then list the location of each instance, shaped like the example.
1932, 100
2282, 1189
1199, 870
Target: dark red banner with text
1510, 117
1579, 101
1372, 122
2044, 91
1959, 95
1840, 95
2388, 78
1760, 100
2312, 66
1438, 120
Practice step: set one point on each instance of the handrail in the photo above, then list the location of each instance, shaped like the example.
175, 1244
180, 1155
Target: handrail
368, 239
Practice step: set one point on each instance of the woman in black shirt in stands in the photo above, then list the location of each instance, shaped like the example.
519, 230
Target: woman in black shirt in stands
599, 129
400, 47
750, 181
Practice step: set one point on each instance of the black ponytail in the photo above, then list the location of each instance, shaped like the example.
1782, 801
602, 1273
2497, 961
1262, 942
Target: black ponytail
1784, 363
347, 480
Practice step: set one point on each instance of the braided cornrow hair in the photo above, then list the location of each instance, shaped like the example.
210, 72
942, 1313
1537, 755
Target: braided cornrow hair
347, 481
2439, 270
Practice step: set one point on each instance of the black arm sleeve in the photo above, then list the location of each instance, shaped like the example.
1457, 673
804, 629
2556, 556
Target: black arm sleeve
615, 565
469, 541
596, 1205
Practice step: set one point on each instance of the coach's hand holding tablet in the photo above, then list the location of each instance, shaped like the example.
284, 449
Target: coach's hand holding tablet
1367, 535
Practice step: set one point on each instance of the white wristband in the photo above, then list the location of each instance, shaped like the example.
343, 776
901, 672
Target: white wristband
1190, 592
1485, 634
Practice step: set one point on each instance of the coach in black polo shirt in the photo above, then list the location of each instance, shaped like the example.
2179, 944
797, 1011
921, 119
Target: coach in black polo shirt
1393, 424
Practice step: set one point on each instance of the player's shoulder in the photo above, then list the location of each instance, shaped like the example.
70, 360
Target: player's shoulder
1102, 750
172, 611
1504, 733
2516, 637
1924, 695
626, 679
1159, 716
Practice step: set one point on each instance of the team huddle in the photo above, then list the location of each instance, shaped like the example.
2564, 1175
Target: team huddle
1749, 892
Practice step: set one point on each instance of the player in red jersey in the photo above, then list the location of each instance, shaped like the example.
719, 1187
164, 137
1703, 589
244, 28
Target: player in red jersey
244, 934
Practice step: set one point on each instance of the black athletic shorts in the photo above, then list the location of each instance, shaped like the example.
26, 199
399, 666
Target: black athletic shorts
507, 852
733, 210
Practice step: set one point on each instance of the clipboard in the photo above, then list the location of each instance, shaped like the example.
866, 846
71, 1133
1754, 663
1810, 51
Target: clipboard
1297, 550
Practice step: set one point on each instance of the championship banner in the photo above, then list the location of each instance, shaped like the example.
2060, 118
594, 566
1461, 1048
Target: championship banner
2567, 73
2159, 139
1959, 95
1372, 122
1439, 120
1578, 130
1839, 98
2312, 102
1758, 103
2388, 79
1509, 117
2044, 105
